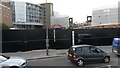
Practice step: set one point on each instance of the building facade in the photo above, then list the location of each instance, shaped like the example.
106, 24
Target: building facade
119, 12
26, 14
5, 13
105, 16
47, 13
60, 22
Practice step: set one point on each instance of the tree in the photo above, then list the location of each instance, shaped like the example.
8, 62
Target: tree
4, 26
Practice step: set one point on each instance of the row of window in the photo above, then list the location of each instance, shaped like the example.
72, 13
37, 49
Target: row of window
33, 5
88, 50
33, 14
35, 9
31, 20
36, 17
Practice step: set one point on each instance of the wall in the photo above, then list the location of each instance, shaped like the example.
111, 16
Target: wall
63, 21
20, 12
108, 15
5, 14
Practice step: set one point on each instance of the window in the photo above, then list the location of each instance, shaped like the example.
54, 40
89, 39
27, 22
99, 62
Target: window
85, 49
100, 51
44, 21
44, 15
71, 50
92, 50
78, 50
95, 50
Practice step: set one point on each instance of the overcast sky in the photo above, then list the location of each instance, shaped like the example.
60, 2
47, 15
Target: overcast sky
78, 9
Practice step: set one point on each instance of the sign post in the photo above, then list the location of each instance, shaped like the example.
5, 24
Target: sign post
47, 39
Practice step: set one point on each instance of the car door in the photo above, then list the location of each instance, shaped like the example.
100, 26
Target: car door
87, 55
96, 53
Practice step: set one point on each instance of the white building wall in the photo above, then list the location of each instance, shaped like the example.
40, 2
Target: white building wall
20, 12
64, 21
119, 12
105, 16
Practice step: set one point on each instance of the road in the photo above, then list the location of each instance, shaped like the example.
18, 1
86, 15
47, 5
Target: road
63, 61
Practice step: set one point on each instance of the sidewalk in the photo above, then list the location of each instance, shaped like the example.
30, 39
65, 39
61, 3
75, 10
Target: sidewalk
38, 54
41, 54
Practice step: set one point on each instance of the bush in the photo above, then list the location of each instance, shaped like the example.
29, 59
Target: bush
4, 26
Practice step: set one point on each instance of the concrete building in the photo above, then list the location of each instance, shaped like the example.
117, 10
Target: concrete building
0, 12
47, 12
60, 22
26, 14
119, 12
105, 16
5, 13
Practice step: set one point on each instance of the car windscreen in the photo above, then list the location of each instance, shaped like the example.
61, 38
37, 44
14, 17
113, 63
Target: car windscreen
116, 41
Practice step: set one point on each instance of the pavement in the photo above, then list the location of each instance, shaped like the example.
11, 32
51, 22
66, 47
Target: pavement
38, 54
41, 54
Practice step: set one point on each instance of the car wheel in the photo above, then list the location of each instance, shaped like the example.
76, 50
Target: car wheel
80, 62
106, 60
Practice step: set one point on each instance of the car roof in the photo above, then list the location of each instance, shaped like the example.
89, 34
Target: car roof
75, 46
116, 38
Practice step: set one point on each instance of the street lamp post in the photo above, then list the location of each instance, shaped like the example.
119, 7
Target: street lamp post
47, 39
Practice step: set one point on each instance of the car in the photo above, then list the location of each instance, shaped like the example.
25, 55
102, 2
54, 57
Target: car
79, 54
116, 46
12, 62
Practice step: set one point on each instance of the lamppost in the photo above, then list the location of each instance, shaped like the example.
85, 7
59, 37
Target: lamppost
47, 39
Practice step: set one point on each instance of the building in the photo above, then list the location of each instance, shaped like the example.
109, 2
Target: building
105, 16
47, 12
26, 15
60, 21
119, 12
0, 12
5, 13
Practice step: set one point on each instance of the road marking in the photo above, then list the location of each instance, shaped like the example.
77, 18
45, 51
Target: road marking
108, 66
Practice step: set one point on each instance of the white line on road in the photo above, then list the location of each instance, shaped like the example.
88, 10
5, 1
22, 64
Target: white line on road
108, 66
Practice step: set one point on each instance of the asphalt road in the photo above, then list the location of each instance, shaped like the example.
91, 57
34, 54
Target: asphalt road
63, 61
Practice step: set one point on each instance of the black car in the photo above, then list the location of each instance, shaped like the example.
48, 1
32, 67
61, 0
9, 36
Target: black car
79, 54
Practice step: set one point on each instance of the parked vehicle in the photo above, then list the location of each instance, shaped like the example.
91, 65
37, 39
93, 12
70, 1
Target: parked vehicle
12, 62
80, 54
116, 46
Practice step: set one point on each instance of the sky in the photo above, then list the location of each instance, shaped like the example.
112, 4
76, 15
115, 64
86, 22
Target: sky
77, 9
